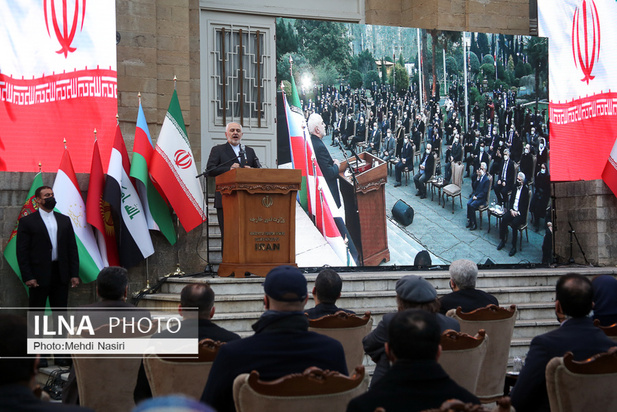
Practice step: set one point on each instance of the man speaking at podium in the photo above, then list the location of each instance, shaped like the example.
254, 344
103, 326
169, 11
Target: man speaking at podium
227, 156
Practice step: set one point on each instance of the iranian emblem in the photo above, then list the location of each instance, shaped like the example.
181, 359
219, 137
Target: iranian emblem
586, 38
183, 159
266, 201
64, 22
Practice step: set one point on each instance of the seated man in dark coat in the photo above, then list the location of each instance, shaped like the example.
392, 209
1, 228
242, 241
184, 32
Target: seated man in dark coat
19, 370
412, 292
281, 344
327, 290
425, 171
577, 334
415, 382
406, 161
463, 276
516, 213
478, 196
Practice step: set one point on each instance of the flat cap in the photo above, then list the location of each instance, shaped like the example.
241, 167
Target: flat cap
414, 288
286, 284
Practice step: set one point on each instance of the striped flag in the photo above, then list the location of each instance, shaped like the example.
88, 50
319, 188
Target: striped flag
71, 204
98, 212
156, 209
30, 206
134, 242
173, 169
316, 194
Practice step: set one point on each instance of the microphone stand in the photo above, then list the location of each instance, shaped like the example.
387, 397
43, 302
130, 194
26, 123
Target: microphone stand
205, 174
355, 195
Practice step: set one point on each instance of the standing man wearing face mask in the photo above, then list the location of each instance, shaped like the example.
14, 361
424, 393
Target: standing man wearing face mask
516, 213
505, 178
47, 252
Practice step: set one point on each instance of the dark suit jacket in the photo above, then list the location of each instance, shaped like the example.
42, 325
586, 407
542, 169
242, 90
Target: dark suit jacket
374, 342
34, 249
220, 160
509, 177
19, 398
281, 345
430, 162
480, 189
523, 201
324, 309
577, 335
327, 166
467, 299
411, 386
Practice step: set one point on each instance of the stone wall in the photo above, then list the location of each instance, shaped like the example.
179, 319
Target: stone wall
591, 208
489, 16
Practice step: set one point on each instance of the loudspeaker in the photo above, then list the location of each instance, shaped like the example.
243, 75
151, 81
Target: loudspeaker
402, 213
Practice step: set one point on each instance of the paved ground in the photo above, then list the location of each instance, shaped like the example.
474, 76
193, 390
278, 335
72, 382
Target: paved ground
443, 233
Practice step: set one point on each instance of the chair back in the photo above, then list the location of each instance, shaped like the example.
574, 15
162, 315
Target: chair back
499, 325
462, 356
457, 173
610, 331
310, 391
169, 374
105, 383
588, 385
348, 329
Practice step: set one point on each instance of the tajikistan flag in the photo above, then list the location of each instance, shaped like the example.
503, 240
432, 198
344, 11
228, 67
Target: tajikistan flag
71, 204
173, 169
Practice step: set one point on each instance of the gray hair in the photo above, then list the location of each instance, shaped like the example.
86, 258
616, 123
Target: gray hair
483, 165
464, 273
314, 121
521, 175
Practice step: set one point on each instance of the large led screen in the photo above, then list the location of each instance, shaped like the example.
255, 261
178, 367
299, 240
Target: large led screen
400, 132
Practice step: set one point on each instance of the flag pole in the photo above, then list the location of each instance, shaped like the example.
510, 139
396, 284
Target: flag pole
40, 167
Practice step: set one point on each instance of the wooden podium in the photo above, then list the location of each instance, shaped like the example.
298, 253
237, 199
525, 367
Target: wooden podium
260, 219
366, 219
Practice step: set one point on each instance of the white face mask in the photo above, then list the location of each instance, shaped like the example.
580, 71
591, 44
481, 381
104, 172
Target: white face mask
541, 146
506, 157
526, 151
481, 150
389, 134
455, 141
542, 171
428, 151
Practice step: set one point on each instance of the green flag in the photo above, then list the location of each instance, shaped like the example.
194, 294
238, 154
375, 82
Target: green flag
30, 206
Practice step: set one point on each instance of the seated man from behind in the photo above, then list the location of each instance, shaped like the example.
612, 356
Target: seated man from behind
463, 277
281, 344
196, 295
415, 382
327, 290
412, 292
577, 334
19, 371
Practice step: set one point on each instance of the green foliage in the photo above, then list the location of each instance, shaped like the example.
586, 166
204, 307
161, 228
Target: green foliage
388, 59
401, 60
519, 70
384, 73
370, 77
488, 70
510, 64
364, 62
528, 69
320, 39
287, 87
282, 66
326, 73
286, 39
488, 59
474, 62
401, 77
475, 96
355, 79
483, 45
451, 65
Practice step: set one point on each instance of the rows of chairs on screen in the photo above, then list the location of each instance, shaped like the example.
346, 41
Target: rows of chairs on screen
431, 350
427, 145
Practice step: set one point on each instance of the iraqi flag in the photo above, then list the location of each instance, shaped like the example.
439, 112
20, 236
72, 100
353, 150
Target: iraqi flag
157, 211
134, 242
173, 169
99, 211
71, 204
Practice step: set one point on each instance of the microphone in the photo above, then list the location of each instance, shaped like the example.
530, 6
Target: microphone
242, 156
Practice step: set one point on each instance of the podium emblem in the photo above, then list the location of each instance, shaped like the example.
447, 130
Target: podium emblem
267, 201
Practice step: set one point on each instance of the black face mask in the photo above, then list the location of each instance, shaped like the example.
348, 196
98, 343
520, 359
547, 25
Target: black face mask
49, 203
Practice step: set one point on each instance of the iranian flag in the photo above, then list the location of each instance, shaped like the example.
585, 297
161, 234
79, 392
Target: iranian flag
30, 206
134, 242
316, 193
71, 204
173, 169
98, 212
157, 211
